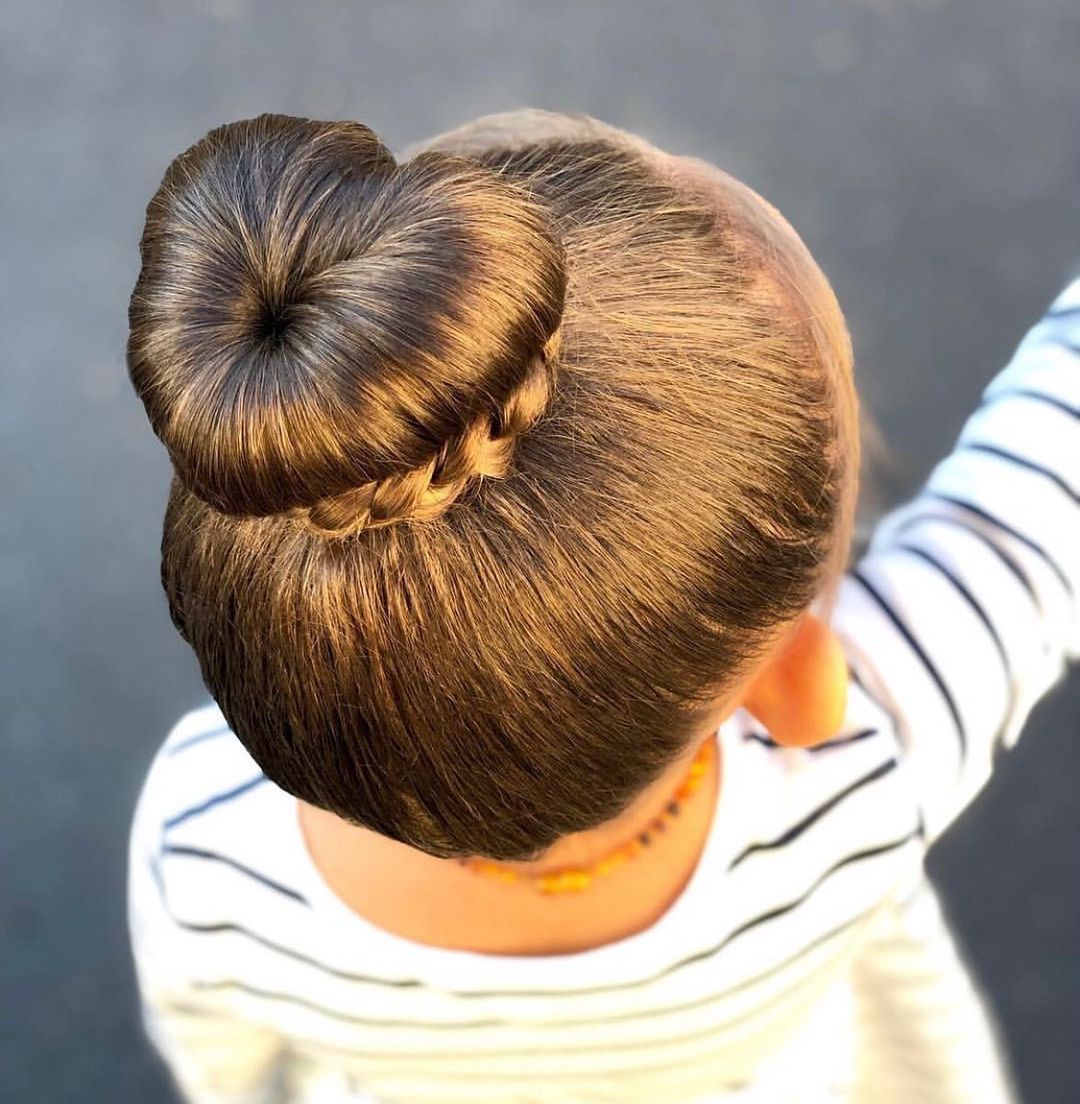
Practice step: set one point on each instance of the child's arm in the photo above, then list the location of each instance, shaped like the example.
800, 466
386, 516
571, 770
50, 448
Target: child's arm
213, 1058
964, 611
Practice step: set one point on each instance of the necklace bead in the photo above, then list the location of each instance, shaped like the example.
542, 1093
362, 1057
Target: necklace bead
577, 879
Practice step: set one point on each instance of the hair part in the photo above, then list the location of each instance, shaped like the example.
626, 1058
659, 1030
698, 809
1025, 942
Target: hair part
492, 470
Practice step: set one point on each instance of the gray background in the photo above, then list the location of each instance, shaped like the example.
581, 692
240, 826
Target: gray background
928, 153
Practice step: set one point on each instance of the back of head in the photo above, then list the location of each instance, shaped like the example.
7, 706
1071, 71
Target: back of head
491, 470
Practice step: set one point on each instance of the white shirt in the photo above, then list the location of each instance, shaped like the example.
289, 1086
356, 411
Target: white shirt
259, 984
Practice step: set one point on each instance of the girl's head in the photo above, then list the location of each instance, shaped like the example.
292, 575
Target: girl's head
496, 467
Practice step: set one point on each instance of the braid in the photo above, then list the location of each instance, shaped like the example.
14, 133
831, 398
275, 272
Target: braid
484, 448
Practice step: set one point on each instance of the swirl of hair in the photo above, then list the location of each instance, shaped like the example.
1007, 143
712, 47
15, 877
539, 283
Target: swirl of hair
484, 449
318, 331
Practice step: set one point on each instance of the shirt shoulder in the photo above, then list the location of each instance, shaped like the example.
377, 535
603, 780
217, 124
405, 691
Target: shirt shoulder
211, 849
194, 789
199, 757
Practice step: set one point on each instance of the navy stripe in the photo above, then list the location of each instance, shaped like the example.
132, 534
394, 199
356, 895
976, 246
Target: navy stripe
444, 1074
213, 856
182, 1007
1003, 556
841, 741
712, 998
1021, 461
1031, 393
502, 1052
1059, 312
798, 828
917, 648
159, 881
346, 1017
837, 741
614, 987
997, 744
289, 952
482, 1075
193, 740
1062, 312
698, 1002
971, 599
219, 799
1027, 541
860, 682
858, 856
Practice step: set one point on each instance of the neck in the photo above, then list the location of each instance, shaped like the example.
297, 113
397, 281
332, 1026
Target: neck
353, 847
434, 901
584, 849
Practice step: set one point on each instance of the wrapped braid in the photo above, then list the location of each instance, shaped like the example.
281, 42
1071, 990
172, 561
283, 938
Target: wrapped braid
484, 449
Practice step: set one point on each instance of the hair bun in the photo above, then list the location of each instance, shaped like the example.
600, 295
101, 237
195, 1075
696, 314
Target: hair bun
311, 317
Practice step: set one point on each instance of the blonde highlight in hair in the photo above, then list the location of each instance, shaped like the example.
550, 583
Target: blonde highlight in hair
493, 465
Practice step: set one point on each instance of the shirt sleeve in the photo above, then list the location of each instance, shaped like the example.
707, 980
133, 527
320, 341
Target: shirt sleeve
963, 612
213, 1057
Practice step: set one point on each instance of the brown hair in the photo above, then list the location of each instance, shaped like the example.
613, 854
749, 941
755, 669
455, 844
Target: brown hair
492, 469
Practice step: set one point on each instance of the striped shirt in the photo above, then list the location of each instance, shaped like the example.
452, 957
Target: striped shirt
258, 984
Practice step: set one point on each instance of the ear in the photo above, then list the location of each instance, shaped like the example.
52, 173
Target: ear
800, 696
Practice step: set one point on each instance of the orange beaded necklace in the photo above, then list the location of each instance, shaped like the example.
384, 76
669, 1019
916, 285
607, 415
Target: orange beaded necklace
576, 879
